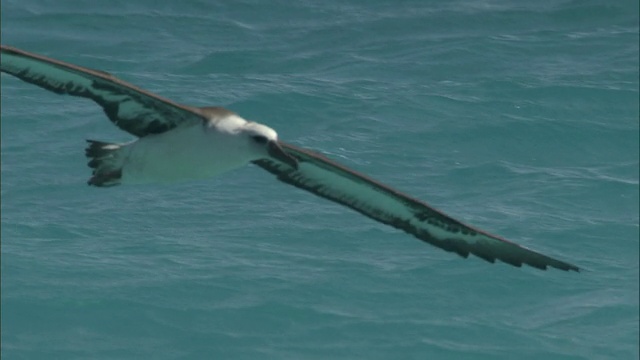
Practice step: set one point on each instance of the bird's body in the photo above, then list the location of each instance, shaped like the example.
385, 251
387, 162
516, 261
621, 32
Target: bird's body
192, 151
180, 142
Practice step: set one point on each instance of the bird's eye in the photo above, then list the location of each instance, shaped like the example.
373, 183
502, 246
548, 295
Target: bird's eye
260, 139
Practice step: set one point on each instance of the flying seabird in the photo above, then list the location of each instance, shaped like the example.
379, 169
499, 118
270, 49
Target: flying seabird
179, 142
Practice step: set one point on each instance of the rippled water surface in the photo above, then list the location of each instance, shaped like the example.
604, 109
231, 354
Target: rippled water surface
520, 118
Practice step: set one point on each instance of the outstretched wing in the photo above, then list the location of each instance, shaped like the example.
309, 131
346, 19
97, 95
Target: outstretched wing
335, 182
132, 109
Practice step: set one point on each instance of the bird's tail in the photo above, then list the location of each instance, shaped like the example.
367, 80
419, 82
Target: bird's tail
106, 161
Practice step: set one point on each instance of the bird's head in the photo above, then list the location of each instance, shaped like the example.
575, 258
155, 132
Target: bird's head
265, 140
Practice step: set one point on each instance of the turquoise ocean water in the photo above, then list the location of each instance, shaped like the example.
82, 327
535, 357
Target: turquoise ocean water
518, 117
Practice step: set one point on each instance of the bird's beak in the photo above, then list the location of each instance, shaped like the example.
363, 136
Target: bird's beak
276, 152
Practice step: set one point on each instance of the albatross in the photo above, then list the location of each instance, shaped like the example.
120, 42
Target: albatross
177, 142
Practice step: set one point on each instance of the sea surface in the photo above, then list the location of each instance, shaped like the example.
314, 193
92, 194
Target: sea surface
520, 118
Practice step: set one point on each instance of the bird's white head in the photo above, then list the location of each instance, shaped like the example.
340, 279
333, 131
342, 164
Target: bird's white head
265, 140
260, 139
258, 134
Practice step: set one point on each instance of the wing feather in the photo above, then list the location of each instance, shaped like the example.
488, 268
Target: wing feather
132, 109
334, 182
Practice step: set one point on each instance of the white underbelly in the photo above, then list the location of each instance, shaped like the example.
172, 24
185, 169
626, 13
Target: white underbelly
184, 154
